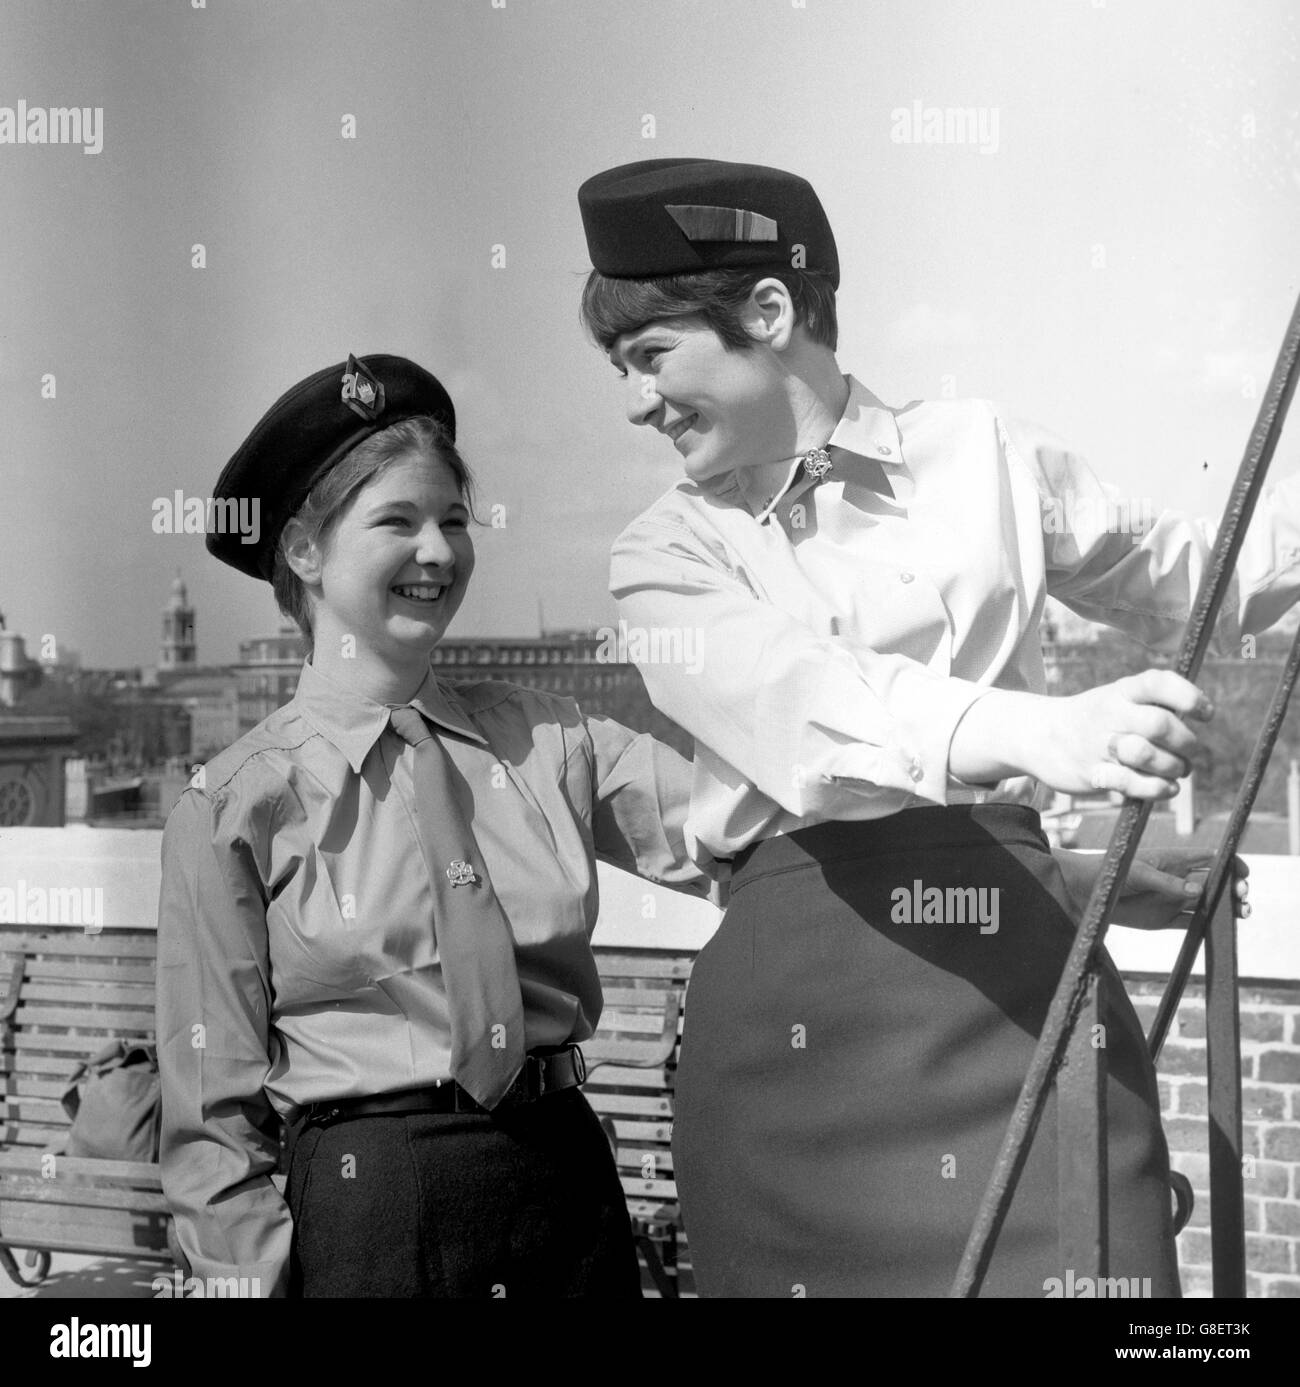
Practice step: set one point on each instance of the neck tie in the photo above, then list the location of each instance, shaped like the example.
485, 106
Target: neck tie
475, 946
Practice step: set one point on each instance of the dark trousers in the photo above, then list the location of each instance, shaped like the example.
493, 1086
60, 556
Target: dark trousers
521, 1203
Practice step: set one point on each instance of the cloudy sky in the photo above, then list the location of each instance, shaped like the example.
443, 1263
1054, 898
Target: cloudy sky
1113, 256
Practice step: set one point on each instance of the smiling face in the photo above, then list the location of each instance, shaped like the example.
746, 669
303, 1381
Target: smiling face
720, 408
393, 569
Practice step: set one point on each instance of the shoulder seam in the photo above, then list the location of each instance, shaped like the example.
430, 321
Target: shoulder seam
255, 752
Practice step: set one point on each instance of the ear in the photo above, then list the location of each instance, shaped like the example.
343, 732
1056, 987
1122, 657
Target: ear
301, 553
769, 314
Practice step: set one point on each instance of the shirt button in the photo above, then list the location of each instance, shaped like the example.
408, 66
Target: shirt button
905, 576
914, 769
884, 450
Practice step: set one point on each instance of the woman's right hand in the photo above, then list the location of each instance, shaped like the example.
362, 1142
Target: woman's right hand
1130, 736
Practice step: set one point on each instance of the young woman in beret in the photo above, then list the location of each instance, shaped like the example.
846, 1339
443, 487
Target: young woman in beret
376, 906
873, 744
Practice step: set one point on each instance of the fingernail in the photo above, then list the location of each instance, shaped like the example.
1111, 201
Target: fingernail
1206, 709
1191, 888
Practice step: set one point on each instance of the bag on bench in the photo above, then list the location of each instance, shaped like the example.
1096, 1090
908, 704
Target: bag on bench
115, 1102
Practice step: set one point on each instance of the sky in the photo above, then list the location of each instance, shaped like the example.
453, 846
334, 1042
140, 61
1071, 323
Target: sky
1114, 256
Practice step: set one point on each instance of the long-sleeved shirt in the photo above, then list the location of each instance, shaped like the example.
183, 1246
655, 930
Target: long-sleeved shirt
839, 629
297, 939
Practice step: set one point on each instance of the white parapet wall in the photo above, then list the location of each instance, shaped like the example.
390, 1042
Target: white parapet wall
123, 865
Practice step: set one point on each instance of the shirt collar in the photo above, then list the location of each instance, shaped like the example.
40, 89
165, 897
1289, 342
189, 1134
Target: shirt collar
867, 430
354, 723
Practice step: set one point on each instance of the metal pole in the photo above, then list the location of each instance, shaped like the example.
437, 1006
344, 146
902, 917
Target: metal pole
1082, 1148
1221, 868
1073, 985
1223, 1064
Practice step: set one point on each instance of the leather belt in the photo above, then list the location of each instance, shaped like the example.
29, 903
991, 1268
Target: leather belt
544, 1072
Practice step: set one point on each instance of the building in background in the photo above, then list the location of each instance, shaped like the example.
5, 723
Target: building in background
18, 671
179, 645
211, 702
267, 674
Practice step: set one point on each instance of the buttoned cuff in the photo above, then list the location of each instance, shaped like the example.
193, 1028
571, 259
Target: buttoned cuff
915, 757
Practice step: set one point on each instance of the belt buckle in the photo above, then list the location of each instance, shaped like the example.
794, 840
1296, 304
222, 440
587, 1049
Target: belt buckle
534, 1077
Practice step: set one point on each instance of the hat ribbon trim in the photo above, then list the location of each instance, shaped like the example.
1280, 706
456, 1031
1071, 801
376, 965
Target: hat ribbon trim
699, 223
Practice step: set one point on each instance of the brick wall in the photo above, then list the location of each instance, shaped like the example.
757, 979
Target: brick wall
1270, 1072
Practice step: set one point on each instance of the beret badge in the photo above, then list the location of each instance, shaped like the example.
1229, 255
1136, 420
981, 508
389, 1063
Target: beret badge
362, 392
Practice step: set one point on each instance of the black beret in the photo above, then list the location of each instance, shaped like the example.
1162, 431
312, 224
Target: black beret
309, 429
679, 216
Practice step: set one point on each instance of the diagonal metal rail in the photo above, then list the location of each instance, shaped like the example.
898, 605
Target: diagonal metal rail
1216, 883
1072, 989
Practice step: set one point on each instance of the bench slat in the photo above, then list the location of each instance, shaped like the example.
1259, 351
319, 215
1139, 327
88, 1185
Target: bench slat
142, 1237
143, 1173
33, 1088
632, 1022
634, 1157
91, 994
43, 968
82, 1196
73, 942
617, 1075
15, 1108
629, 1103
642, 1131
616, 965
643, 1053
83, 1045
135, 1021
31, 1061
25, 1222
23, 1134
618, 998
664, 1188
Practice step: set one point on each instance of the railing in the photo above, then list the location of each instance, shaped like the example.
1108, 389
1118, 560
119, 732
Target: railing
1065, 1046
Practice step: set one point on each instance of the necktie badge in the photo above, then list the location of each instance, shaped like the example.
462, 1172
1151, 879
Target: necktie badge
461, 874
817, 463
362, 391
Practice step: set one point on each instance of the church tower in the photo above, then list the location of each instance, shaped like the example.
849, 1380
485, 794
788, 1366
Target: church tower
178, 648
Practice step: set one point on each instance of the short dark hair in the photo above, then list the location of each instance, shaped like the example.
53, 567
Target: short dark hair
420, 436
612, 307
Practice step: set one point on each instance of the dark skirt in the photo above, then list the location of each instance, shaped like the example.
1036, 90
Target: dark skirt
521, 1204
847, 1074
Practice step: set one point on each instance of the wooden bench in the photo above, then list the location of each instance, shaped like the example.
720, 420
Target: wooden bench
631, 1062
66, 993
